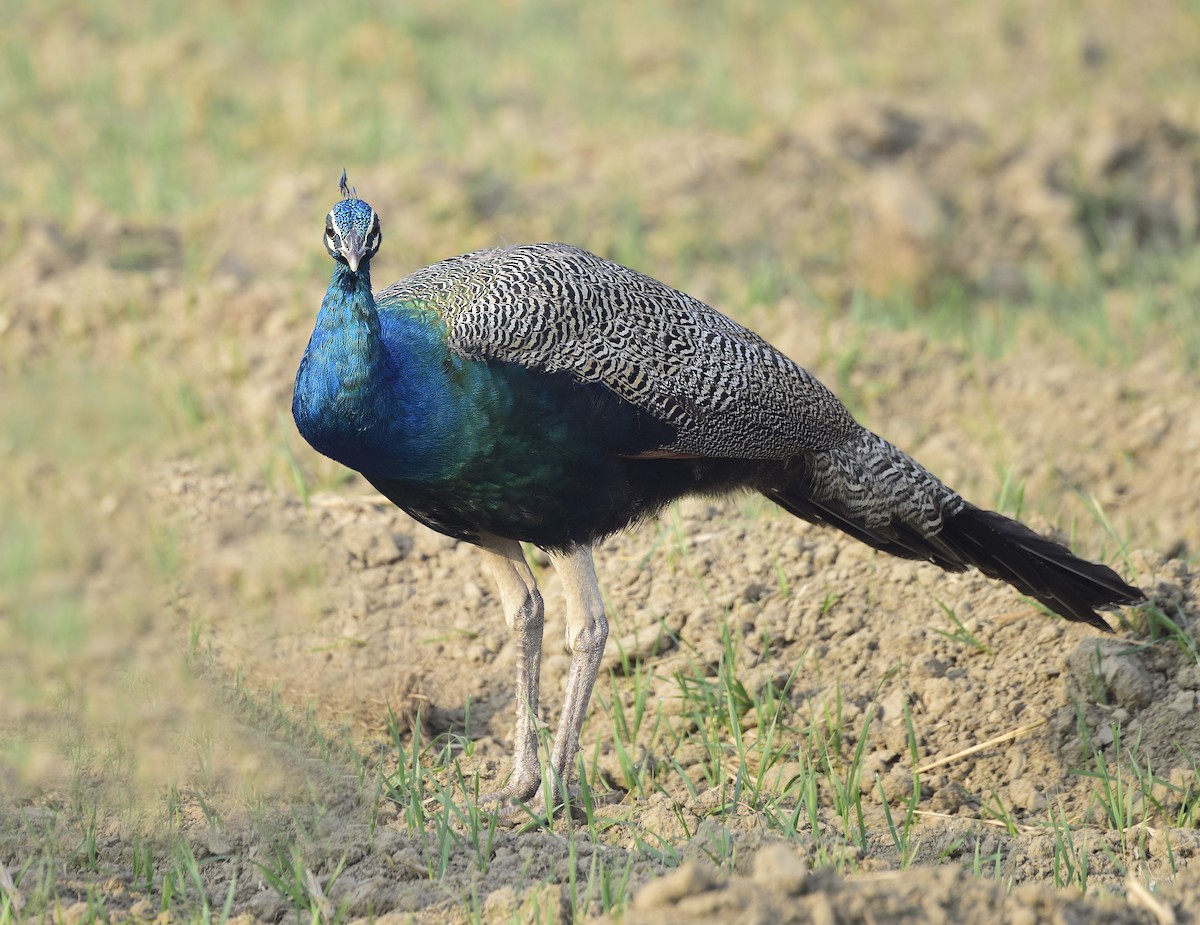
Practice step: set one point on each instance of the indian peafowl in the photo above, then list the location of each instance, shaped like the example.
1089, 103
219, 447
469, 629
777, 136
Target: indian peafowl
540, 393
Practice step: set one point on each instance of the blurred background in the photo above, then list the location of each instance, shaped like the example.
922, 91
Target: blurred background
882, 188
931, 163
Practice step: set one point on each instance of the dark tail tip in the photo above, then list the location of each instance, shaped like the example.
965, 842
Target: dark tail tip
1046, 571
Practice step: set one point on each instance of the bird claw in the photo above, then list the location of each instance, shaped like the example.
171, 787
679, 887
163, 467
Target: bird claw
515, 799
511, 809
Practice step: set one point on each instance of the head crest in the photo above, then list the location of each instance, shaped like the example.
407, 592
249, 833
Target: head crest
348, 192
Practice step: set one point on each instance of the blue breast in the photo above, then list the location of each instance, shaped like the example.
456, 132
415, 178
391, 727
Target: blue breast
381, 392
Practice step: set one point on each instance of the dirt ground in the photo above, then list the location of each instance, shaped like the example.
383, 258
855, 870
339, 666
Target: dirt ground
394, 590
314, 628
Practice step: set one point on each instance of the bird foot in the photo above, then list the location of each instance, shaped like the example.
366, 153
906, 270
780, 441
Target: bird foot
514, 810
510, 795
511, 810
516, 800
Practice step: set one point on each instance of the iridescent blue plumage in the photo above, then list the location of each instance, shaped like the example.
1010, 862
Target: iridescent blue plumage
467, 445
542, 394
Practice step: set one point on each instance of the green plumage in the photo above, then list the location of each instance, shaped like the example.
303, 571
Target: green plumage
540, 393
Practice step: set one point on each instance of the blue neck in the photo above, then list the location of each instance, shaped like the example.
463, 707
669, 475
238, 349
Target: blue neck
371, 393
336, 398
345, 341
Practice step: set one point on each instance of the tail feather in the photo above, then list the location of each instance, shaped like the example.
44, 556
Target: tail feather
1046, 571
998, 546
896, 538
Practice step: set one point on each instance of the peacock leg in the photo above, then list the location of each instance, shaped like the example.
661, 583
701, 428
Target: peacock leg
523, 612
587, 631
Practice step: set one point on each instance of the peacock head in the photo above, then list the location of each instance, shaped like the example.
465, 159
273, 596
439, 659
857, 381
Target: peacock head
352, 234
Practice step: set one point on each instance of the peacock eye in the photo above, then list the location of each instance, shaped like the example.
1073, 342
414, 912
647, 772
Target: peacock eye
329, 230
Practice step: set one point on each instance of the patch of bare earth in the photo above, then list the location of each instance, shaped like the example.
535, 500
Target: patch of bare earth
409, 620
345, 609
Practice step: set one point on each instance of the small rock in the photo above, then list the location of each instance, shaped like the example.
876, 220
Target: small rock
216, 841
939, 696
72, 914
500, 904
384, 551
897, 785
1023, 794
820, 910
1183, 702
1022, 915
643, 643
927, 667
389, 841
1106, 669
268, 906
370, 545
359, 898
542, 902
949, 798
691, 878
892, 704
875, 764
1189, 677
825, 555
779, 867
477, 653
754, 591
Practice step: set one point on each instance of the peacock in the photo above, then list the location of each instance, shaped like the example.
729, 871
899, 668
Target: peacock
542, 394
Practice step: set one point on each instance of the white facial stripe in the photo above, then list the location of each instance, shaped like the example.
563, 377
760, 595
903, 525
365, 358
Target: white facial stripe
336, 227
371, 225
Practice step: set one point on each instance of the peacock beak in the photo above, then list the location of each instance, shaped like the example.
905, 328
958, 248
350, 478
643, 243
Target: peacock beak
353, 248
